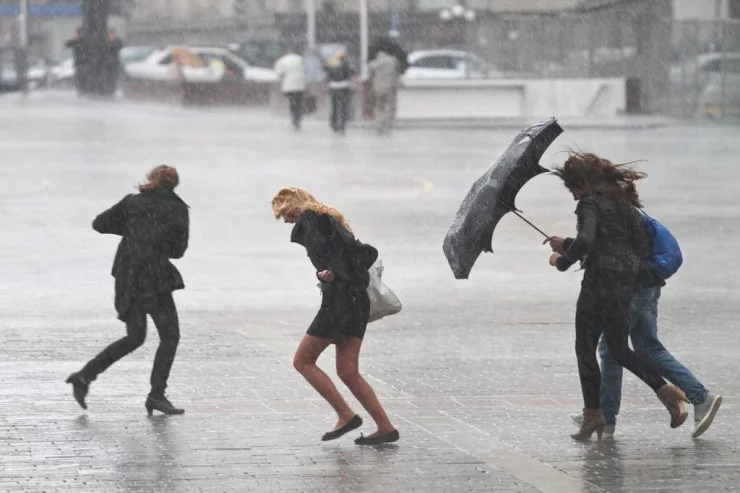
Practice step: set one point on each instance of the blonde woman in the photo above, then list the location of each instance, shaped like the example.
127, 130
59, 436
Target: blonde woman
341, 264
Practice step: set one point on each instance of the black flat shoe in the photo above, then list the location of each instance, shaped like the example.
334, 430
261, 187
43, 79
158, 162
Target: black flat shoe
80, 388
391, 436
353, 424
163, 405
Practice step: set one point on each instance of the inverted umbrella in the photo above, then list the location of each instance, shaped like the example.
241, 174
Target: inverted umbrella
494, 194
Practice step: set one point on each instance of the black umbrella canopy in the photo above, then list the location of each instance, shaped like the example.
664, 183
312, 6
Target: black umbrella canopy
390, 46
494, 194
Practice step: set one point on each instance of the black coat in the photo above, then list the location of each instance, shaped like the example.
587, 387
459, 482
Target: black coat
331, 247
610, 236
345, 304
341, 72
78, 51
113, 49
155, 227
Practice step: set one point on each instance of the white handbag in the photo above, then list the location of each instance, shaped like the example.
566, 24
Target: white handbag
383, 301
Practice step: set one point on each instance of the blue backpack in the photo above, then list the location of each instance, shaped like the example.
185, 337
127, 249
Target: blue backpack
665, 257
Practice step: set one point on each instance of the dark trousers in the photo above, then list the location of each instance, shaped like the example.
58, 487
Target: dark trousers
339, 108
111, 79
295, 99
164, 314
604, 305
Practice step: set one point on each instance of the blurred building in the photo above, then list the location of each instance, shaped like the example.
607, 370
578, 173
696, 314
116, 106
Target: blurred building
189, 9
688, 9
52, 22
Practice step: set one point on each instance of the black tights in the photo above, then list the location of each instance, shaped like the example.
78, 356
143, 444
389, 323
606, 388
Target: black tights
604, 304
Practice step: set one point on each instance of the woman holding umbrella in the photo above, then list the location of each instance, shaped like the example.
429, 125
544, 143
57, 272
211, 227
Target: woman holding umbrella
610, 242
341, 264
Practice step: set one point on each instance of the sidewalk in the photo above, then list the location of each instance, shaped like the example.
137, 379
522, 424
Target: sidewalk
594, 123
479, 376
631, 122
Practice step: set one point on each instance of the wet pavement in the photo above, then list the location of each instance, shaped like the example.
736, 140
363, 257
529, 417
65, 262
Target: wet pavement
479, 376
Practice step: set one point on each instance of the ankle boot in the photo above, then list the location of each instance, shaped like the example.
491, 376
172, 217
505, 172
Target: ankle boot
80, 388
593, 420
161, 404
675, 401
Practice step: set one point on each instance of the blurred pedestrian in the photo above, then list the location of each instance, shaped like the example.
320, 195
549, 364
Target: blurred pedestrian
341, 264
78, 58
611, 240
339, 71
384, 74
112, 64
154, 228
20, 64
293, 83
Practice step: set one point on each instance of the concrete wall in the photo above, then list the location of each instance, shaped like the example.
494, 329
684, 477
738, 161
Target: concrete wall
700, 9
512, 98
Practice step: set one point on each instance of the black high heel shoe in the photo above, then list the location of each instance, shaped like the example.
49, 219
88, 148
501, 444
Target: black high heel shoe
161, 404
80, 388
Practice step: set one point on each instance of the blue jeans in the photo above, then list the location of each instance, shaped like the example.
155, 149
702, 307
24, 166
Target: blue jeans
643, 327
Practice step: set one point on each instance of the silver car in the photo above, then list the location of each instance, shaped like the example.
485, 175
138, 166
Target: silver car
449, 65
708, 85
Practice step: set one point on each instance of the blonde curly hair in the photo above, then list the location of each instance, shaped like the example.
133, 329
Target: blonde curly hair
295, 201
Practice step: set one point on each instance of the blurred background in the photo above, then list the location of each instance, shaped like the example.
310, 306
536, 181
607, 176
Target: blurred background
679, 58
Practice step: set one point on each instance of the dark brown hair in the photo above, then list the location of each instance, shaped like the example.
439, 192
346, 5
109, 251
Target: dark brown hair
161, 176
590, 173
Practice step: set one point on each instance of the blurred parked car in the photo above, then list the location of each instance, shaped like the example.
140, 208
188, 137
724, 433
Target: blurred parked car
263, 53
697, 85
63, 74
198, 75
131, 54
448, 64
38, 71
217, 63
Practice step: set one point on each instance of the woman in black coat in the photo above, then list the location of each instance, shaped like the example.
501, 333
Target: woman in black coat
611, 242
341, 264
154, 227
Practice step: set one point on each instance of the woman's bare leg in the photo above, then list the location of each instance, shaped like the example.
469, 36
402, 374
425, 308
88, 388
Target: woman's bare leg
304, 361
348, 353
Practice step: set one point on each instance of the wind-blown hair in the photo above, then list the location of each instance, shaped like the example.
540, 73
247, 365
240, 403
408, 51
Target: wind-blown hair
295, 201
161, 176
592, 174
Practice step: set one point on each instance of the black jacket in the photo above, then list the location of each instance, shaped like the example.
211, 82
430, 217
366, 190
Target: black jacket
155, 227
331, 247
610, 236
113, 50
341, 72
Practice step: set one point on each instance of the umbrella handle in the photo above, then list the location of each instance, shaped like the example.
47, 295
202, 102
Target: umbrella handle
511, 209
